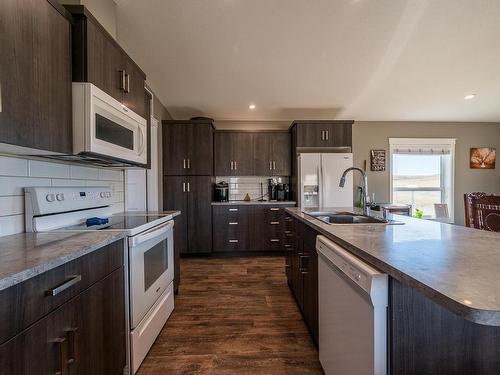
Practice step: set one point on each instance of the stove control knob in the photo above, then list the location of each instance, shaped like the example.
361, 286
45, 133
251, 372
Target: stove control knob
102, 194
108, 194
50, 197
60, 197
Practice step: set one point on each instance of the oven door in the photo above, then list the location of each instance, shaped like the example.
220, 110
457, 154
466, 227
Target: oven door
151, 267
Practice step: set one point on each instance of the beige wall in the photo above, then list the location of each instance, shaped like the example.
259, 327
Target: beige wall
375, 135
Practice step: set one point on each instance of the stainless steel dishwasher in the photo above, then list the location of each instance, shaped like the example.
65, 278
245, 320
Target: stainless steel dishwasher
352, 313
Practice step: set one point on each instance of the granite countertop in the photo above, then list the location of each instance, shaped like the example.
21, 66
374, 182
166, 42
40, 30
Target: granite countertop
251, 203
455, 266
25, 255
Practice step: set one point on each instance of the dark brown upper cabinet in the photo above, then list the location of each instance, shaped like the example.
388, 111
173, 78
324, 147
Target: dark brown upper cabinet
188, 148
252, 153
234, 154
99, 59
322, 133
35, 75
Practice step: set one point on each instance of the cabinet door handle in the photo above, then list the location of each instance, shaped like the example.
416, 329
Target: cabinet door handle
233, 223
61, 288
73, 342
127, 83
231, 165
274, 165
270, 165
183, 187
122, 80
189, 164
274, 209
322, 135
184, 163
235, 165
274, 223
188, 187
327, 134
233, 210
233, 241
62, 343
274, 240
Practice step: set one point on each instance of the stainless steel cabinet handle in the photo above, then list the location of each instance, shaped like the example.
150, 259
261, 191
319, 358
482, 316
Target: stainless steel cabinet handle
274, 209
322, 135
189, 188
233, 241
233, 210
235, 165
127, 83
189, 164
183, 187
327, 133
184, 163
274, 223
270, 165
274, 240
61, 288
274, 165
233, 223
231, 165
122, 80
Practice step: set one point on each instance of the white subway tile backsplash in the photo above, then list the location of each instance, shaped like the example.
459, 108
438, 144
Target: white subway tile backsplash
17, 173
45, 169
13, 166
239, 187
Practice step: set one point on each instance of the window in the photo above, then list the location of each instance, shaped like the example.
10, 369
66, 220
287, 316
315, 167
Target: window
422, 175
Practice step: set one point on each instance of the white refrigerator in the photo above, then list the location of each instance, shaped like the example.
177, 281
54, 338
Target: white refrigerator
319, 177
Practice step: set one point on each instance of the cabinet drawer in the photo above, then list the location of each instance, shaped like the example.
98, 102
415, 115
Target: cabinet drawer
26, 302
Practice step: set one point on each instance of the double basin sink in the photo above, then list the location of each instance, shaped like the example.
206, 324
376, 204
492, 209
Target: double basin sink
344, 217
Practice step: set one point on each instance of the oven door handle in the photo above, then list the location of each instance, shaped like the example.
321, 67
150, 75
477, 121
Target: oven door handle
150, 234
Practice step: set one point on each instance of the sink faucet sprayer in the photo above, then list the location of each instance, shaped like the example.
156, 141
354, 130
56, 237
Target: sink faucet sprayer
366, 208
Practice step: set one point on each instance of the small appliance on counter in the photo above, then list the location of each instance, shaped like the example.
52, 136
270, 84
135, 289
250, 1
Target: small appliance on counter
277, 191
221, 193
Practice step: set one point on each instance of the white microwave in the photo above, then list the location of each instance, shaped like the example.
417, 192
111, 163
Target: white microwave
103, 127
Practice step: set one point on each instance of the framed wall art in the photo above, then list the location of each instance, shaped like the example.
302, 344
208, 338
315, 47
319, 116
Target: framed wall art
482, 158
377, 160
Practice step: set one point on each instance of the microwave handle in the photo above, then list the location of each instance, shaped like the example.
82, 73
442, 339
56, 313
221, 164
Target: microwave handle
142, 143
150, 234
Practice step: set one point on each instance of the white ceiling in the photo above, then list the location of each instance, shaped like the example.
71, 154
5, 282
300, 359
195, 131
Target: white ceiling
365, 60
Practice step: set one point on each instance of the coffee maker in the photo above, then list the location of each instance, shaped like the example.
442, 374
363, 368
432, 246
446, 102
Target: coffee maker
278, 191
221, 191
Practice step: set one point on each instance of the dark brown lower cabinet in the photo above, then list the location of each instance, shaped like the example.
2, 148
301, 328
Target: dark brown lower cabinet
302, 272
86, 335
426, 338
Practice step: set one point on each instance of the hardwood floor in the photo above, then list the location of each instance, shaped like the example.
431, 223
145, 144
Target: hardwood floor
233, 316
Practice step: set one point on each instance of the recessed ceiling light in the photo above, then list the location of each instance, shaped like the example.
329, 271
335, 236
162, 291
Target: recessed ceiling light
470, 96
251, 106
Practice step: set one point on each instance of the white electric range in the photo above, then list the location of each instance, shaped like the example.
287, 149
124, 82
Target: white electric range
149, 254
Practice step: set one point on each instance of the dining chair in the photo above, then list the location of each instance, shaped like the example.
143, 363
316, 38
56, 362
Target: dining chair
482, 211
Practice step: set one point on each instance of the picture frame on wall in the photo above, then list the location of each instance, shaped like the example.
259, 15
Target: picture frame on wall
377, 160
482, 158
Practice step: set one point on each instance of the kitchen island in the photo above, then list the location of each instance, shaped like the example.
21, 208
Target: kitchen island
444, 299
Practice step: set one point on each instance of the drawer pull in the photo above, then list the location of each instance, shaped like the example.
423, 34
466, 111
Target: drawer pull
274, 223
61, 288
274, 209
274, 240
233, 223
233, 241
62, 343
233, 210
288, 246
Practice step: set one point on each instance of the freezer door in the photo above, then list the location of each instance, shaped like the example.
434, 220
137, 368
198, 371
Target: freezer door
309, 177
332, 167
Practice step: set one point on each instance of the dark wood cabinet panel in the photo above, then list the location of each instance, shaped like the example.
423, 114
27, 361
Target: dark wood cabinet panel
200, 149
323, 133
262, 144
281, 153
86, 335
231, 228
425, 338
199, 214
223, 154
99, 59
35, 76
188, 148
243, 158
